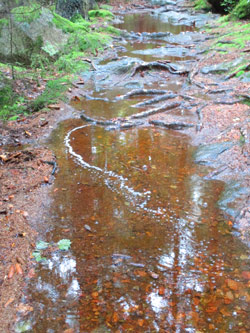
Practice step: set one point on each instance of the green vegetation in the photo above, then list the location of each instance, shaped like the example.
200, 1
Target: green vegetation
237, 36
100, 13
202, 4
236, 9
77, 25
12, 105
84, 38
241, 10
27, 13
228, 5
53, 91
71, 63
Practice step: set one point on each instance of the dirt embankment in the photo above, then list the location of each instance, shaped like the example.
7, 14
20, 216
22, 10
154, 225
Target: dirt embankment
26, 176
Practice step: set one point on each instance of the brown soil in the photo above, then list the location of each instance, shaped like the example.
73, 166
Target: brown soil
26, 178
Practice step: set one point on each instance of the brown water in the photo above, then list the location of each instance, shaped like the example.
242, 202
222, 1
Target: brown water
151, 251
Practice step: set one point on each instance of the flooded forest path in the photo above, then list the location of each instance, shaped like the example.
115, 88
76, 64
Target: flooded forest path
151, 250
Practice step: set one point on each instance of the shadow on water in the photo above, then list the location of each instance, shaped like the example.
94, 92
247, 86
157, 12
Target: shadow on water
151, 251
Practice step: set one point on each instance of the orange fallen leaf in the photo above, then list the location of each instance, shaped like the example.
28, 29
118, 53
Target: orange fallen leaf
75, 98
115, 317
46, 179
232, 284
211, 309
230, 295
19, 269
161, 291
95, 294
27, 133
24, 308
140, 322
9, 302
11, 271
246, 275
141, 273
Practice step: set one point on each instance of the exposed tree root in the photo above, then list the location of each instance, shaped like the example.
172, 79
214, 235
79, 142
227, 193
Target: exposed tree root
155, 100
139, 92
158, 65
162, 108
173, 125
96, 121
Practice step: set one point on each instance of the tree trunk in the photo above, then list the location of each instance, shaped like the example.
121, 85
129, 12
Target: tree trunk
69, 8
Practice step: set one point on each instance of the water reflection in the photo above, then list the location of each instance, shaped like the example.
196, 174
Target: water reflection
163, 267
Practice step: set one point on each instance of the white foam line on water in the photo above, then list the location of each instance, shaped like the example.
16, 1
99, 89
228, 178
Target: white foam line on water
111, 174
89, 166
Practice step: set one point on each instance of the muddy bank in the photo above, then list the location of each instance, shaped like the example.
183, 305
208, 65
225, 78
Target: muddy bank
207, 108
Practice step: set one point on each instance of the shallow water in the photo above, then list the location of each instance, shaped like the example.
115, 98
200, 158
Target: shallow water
151, 251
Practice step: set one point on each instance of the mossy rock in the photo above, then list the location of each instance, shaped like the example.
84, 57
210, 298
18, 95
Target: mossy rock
33, 32
26, 13
100, 13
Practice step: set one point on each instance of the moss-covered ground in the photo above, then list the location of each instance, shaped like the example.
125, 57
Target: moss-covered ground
85, 38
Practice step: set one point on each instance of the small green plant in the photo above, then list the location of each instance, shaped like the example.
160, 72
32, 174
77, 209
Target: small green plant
53, 91
64, 244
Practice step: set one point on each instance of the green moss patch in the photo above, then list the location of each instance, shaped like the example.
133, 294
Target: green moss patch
27, 13
100, 13
236, 38
68, 26
202, 4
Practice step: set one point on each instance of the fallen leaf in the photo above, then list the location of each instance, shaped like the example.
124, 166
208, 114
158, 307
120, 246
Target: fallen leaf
225, 312
140, 322
246, 275
24, 308
46, 179
230, 295
75, 98
115, 317
31, 273
211, 309
24, 213
161, 291
69, 330
154, 275
3, 158
11, 271
19, 269
232, 284
54, 106
141, 273
9, 302
95, 294
27, 133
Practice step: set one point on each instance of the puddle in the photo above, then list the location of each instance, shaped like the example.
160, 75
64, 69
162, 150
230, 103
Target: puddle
149, 245
151, 23
150, 249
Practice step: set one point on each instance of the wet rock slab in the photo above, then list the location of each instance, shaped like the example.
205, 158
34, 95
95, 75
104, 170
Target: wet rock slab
208, 154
